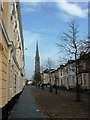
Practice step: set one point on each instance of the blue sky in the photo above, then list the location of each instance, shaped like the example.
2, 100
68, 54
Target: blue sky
43, 21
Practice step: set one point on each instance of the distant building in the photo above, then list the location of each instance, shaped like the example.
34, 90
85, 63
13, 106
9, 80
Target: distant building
84, 70
55, 77
64, 75
61, 75
45, 76
37, 76
70, 74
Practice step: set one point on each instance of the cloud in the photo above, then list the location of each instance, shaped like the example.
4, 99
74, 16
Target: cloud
72, 9
52, 0
64, 17
47, 0
29, 7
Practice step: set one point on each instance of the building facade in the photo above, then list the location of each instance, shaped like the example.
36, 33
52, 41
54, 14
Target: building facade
45, 77
84, 70
65, 75
55, 77
11, 54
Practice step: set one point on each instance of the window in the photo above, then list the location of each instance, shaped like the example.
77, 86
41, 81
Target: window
73, 79
84, 77
13, 11
80, 77
15, 78
61, 72
61, 82
84, 65
67, 81
15, 24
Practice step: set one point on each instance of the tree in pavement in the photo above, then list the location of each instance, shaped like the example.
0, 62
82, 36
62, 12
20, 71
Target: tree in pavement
49, 66
70, 48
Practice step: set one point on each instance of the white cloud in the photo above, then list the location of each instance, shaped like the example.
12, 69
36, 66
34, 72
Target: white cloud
46, 0
64, 17
29, 7
52, 0
72, 9
67, 6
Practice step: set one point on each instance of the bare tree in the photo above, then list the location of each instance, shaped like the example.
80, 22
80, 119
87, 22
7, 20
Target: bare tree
85, 45
70, 46
49, 66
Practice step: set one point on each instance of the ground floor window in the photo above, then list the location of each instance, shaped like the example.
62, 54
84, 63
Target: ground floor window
84, 77
61, 82
67, 81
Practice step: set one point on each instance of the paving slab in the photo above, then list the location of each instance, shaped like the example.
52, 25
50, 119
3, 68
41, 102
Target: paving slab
26, 106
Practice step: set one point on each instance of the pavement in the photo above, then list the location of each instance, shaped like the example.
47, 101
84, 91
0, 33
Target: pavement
26, 107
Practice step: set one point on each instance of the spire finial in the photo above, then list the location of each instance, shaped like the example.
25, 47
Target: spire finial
37, 52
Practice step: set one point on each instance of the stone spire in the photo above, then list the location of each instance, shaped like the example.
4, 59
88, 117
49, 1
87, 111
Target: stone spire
37, 65
37, 52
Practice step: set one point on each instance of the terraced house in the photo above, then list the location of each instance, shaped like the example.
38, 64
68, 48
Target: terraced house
65, 76
84, 70
11, 55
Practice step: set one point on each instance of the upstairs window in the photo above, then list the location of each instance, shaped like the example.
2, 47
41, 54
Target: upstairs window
84, 65
85, 81
73, 79
61, 72
67, 81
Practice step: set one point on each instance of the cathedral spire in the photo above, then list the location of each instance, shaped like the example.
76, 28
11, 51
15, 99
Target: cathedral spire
37, 52
37, 65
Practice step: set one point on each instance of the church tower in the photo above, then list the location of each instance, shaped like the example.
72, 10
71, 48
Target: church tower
37, 65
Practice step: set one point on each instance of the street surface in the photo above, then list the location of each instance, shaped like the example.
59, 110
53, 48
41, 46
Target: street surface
37, 103
25, 107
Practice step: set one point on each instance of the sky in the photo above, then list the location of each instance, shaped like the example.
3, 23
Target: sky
44, 21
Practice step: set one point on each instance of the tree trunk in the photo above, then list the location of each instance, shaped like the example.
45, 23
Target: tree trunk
56, 89
77, 84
